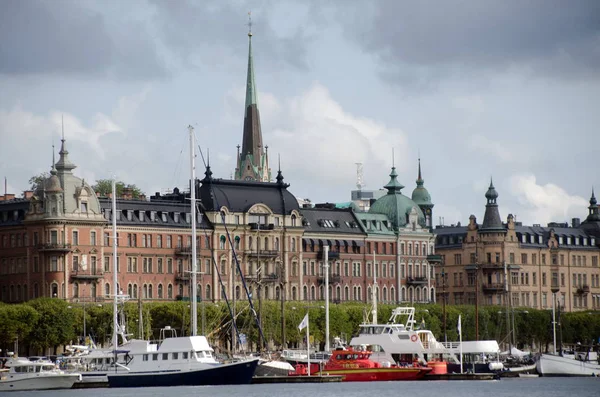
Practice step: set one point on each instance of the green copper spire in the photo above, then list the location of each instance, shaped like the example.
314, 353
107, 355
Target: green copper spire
393, 185
251, 98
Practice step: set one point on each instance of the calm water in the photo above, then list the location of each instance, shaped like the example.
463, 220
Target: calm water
533, 387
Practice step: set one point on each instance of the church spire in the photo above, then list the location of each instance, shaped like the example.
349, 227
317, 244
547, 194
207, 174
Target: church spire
64, 165
253, 162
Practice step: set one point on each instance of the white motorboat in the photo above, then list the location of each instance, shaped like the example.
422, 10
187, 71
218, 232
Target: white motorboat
21, 374
399, 342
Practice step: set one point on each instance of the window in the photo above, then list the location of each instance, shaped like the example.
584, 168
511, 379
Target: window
92, 238
84, 206
457, 259
107, 264
169, 241
75, 237
523, 259
159, 265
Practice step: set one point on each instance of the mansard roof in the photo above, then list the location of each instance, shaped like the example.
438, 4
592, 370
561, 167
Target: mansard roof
152, 213
240, 196
331, 220
12, 212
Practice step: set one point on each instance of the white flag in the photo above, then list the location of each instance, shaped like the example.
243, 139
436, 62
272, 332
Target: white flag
304, 323
458, 327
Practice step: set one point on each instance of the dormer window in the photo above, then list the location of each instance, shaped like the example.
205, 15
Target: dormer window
164, 217
568, 240
560, 240
84, 206
188, 217
142, 216
129, 215
576, 240
540, 239
152, 216
584, 241
531, 239
176, 217
524, 238
592, 241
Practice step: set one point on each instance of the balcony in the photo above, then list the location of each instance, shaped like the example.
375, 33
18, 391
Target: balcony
583, 289
494, 288
416, 280
434, 259
184, 251
261, 226
333, 279
183, 277
332, 255
87, 274
55, 247
262, 254
263, 278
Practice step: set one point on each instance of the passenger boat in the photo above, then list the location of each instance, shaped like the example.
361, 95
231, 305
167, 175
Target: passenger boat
400, 343
21, 374
586, 364
357, 366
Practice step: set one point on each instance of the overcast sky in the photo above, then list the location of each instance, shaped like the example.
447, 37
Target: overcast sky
480, 89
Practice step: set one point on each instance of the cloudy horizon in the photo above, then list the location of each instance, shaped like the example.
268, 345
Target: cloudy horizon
476, 89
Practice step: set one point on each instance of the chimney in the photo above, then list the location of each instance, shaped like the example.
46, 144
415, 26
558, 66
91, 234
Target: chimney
28, 194
142, 197
127, 193
575, 222
9, 197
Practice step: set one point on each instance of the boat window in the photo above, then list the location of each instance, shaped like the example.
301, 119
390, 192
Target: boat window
403, 336
175, 356
208, 354
185, 355
38, 369
155, 357
165, 356
145, 358
48, 367
338, 356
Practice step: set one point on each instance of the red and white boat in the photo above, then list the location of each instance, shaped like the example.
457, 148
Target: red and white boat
357, 366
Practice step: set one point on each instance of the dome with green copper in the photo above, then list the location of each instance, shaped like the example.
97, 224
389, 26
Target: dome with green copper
395, 205
420, 195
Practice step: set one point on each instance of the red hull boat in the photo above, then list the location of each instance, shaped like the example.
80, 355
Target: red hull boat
356, 366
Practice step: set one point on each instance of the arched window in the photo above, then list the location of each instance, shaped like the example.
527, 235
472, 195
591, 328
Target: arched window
129, 290
293, 220
93, 290
237, 242
346, 293
180, 290
145, 291
266, 243
294, 293
222, 241
384, 297
160, 291
135, 291
321, 292
312, 293
18, 292
107, 289
392, 294
208, 292
36, 290
305, 293
237, 292
369, 294
170, 291
250, 242
293, 244
53, 290
199, 291
338, 292
150, 294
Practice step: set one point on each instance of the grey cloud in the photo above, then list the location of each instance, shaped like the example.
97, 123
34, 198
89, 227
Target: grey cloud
450, 38
199, 30
66, 37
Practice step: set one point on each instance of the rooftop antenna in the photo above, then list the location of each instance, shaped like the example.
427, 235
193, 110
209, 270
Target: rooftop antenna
359, 176
249, 23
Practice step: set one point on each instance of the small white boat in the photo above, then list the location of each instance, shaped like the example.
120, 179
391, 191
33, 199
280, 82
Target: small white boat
551, 365
22, 374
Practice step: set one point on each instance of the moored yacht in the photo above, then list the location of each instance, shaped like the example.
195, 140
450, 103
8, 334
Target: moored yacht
398, 342
21, 374
569, 364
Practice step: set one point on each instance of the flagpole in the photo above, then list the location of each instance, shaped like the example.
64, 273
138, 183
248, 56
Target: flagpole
307, 345
460, 345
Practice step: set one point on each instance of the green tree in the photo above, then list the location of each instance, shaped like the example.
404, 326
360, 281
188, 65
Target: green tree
104, 187
16, 322
55, 325
38, 180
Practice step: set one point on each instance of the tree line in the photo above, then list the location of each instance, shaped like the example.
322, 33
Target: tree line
42, 325
102, 186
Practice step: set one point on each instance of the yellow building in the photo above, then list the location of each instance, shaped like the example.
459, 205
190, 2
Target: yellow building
490, 262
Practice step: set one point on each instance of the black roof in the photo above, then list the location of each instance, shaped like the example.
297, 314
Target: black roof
331, 220
8, 208
240, 196
164, 213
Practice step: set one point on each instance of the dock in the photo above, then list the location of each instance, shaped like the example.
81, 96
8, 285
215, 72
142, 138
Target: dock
261, 380
465, 376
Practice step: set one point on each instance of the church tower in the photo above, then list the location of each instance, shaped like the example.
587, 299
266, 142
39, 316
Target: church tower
253, 160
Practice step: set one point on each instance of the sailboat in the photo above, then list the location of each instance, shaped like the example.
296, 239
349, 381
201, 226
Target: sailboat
586, 363
183, 360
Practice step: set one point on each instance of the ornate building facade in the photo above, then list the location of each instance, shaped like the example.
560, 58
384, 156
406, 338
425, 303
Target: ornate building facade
507, 263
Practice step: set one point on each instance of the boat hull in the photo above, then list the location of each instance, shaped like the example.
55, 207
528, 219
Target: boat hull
377, 374
46, 382
551, 365
238, 373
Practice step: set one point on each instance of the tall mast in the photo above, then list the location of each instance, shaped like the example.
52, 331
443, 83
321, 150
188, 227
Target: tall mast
115, 292
194, 320
374, 290
326, 271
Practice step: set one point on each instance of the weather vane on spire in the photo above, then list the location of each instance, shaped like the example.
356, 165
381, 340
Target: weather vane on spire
249, 23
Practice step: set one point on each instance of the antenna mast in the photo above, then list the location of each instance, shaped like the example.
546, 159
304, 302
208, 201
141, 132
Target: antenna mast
359, 176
